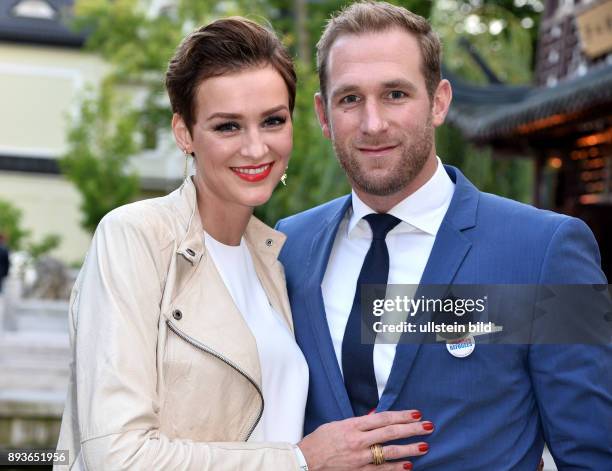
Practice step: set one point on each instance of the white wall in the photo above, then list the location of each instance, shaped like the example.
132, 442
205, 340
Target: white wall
50, 205
39, 88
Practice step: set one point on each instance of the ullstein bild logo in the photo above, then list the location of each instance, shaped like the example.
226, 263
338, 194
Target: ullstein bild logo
474, 328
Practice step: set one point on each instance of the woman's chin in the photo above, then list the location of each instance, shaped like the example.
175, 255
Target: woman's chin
257, 198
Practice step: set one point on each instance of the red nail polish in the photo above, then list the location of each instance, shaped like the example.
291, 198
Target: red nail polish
423, 447
428, 426
372, 411
416, 415
408, 466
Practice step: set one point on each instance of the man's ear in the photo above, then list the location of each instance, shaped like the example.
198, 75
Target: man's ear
441, 102
182, 136
322, 114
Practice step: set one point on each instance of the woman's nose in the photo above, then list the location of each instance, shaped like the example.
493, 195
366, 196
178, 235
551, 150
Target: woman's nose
253, 146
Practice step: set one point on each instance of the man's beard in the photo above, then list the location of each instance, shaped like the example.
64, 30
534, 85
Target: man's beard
410, 164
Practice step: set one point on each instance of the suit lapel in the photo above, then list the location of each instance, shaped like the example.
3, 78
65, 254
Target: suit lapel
319, 256
448, 252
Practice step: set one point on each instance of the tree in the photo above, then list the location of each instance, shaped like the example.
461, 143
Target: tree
19, 238
10, 225
100, 143
504, 34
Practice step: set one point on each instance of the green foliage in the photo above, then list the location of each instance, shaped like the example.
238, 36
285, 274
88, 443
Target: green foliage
46, 245
100, 143
10, 225
19, 238
496, 31
508, 176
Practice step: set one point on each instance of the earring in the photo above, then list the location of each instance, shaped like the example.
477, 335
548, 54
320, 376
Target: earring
283, 179
186, 152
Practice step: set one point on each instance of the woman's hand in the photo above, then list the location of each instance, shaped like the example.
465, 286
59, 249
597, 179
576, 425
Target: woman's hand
345, 444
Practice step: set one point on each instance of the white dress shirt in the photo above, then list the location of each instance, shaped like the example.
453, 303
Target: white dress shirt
284, 372
409, 245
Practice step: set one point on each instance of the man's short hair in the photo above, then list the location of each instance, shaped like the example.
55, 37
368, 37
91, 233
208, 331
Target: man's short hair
370, 16
222, 47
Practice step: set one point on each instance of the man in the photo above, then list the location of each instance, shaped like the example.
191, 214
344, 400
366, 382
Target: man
5, 263
381, 98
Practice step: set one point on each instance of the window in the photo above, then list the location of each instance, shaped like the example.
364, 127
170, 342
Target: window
38, 9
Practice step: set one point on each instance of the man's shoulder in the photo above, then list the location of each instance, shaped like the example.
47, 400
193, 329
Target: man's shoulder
559, 247
311, 219
523, 217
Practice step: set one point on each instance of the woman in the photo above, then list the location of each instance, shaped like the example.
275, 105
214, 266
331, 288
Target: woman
180, 324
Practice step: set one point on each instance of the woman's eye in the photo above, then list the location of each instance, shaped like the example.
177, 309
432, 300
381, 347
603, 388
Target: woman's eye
273, 121
230, 126
397, 94
347, 100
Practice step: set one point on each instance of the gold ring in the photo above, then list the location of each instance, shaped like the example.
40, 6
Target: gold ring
378, 456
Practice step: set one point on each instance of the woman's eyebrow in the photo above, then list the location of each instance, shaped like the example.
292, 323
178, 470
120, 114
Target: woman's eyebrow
223, 115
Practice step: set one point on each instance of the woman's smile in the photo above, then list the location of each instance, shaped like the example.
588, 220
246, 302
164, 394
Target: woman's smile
253, 173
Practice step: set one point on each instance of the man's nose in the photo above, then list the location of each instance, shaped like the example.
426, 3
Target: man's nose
253, 145
373, 120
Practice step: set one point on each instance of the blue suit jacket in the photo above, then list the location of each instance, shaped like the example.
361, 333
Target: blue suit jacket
494, 409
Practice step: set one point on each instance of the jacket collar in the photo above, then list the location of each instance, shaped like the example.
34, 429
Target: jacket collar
265, 241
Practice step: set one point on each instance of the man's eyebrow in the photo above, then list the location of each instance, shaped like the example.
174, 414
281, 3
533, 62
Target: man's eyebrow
405, 84
399, 83
342, 90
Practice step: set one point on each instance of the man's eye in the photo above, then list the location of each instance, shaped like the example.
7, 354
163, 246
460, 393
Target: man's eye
397, 94
230, 126
273, 121
349, 99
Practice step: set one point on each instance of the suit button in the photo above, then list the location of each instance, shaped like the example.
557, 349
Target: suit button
178, 315
269, 242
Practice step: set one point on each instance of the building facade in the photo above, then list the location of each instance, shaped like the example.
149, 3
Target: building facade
563, 121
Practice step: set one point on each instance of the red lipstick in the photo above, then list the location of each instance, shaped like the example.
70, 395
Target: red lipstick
253, 173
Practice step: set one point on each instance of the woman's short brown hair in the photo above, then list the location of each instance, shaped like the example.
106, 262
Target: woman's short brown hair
224, 46
371, 16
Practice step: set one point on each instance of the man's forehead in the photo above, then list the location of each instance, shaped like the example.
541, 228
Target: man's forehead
388, 45
374, 59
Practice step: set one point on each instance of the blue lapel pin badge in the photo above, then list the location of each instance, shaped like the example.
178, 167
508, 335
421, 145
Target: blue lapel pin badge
461, 348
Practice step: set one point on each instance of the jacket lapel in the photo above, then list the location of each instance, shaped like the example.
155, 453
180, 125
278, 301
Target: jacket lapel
449, 250
264, 245
318, 258
216, 322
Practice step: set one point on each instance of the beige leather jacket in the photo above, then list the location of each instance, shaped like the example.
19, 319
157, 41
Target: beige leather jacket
165, 372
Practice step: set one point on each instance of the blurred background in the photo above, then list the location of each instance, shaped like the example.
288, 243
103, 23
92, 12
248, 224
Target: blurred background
85, 127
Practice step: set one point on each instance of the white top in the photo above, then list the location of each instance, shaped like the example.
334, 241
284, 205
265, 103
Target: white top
409, 245
284, 371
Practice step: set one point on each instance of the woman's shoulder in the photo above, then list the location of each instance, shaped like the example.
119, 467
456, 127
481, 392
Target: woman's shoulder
153, 220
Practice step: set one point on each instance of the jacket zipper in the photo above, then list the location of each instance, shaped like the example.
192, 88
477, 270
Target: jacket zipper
230, 363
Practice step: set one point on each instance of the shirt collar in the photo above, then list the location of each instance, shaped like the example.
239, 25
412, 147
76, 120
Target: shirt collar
422, 211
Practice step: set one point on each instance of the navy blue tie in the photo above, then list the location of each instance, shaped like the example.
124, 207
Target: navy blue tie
357, 356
